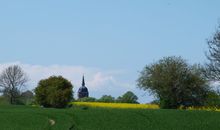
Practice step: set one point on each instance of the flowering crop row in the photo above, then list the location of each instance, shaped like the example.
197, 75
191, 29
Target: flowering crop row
135, 106
116, 105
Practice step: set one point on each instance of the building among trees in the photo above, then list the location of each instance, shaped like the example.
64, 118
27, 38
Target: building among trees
83, 91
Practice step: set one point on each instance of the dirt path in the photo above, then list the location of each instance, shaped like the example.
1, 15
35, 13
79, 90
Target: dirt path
52, 122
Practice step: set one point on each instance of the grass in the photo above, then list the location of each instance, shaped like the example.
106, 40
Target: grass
33, 118
140, 119
82, 117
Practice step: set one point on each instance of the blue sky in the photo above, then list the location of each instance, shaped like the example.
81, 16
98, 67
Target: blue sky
108, 40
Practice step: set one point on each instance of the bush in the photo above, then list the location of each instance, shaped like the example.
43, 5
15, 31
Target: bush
107, 99
213, 99
128, 97
87, 99
54, 92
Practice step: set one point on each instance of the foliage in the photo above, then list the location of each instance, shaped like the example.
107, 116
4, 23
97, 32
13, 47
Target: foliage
87, 99
12, 79
3, 101
107, 99
128, 97
54, 92
213, 99
213, 55
175, 83
27, 97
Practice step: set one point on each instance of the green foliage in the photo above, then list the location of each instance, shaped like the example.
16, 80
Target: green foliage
128, 97
213, 99
175, 83
87, 99
107, 99
54, 92
27, 97
4, 101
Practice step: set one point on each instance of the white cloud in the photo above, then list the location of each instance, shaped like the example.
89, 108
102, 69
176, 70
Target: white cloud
98, 81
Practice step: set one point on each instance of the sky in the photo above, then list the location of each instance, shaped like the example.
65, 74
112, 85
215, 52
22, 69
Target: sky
109, 41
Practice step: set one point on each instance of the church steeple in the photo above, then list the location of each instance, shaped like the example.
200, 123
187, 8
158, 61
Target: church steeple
83, 91
83, 81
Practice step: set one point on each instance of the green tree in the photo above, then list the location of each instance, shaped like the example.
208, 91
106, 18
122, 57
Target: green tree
107, 99
174, 82
128, 97
87, 99
54, 92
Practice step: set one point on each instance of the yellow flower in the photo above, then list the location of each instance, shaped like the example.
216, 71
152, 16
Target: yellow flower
116, 105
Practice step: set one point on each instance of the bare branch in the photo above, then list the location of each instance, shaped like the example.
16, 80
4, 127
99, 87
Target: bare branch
12, 79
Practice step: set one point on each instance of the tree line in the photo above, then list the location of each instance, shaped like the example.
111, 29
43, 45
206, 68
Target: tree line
128, 97
54, 91
172, 80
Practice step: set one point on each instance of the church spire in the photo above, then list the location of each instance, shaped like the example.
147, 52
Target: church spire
83, 81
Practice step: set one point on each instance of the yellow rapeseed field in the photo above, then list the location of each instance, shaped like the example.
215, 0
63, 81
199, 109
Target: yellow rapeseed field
116, 105
135, 106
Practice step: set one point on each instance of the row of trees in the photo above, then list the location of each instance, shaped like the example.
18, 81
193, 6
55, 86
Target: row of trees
172, 80
128, 97
176, 83
55, 91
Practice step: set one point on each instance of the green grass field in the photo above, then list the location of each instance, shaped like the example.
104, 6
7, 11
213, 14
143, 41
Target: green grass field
78, 118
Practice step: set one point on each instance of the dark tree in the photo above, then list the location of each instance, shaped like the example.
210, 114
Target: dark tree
174, 83
54, 92
213, 55
12, 79
128, 97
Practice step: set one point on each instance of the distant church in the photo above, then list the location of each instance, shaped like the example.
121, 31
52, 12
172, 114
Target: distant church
83, 91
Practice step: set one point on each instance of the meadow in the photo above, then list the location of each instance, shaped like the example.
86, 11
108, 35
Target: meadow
81, 117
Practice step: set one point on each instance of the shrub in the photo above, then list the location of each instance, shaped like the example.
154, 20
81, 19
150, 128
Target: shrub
107, 99
87, 99
128, 97
54, 92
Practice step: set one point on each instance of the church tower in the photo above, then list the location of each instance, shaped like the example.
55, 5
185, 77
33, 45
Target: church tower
83, 91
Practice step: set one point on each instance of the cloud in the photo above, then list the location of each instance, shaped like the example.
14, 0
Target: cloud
98, 81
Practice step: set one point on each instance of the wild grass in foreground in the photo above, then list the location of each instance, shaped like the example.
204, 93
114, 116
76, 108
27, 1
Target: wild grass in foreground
34, 118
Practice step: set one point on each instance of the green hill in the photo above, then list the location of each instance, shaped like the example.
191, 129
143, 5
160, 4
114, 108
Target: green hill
82, 118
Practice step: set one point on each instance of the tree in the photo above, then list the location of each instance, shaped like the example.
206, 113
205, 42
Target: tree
174, 82
27, 97
128, 97
213, 55
12, 79
107, 99
87, 99
55, 92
